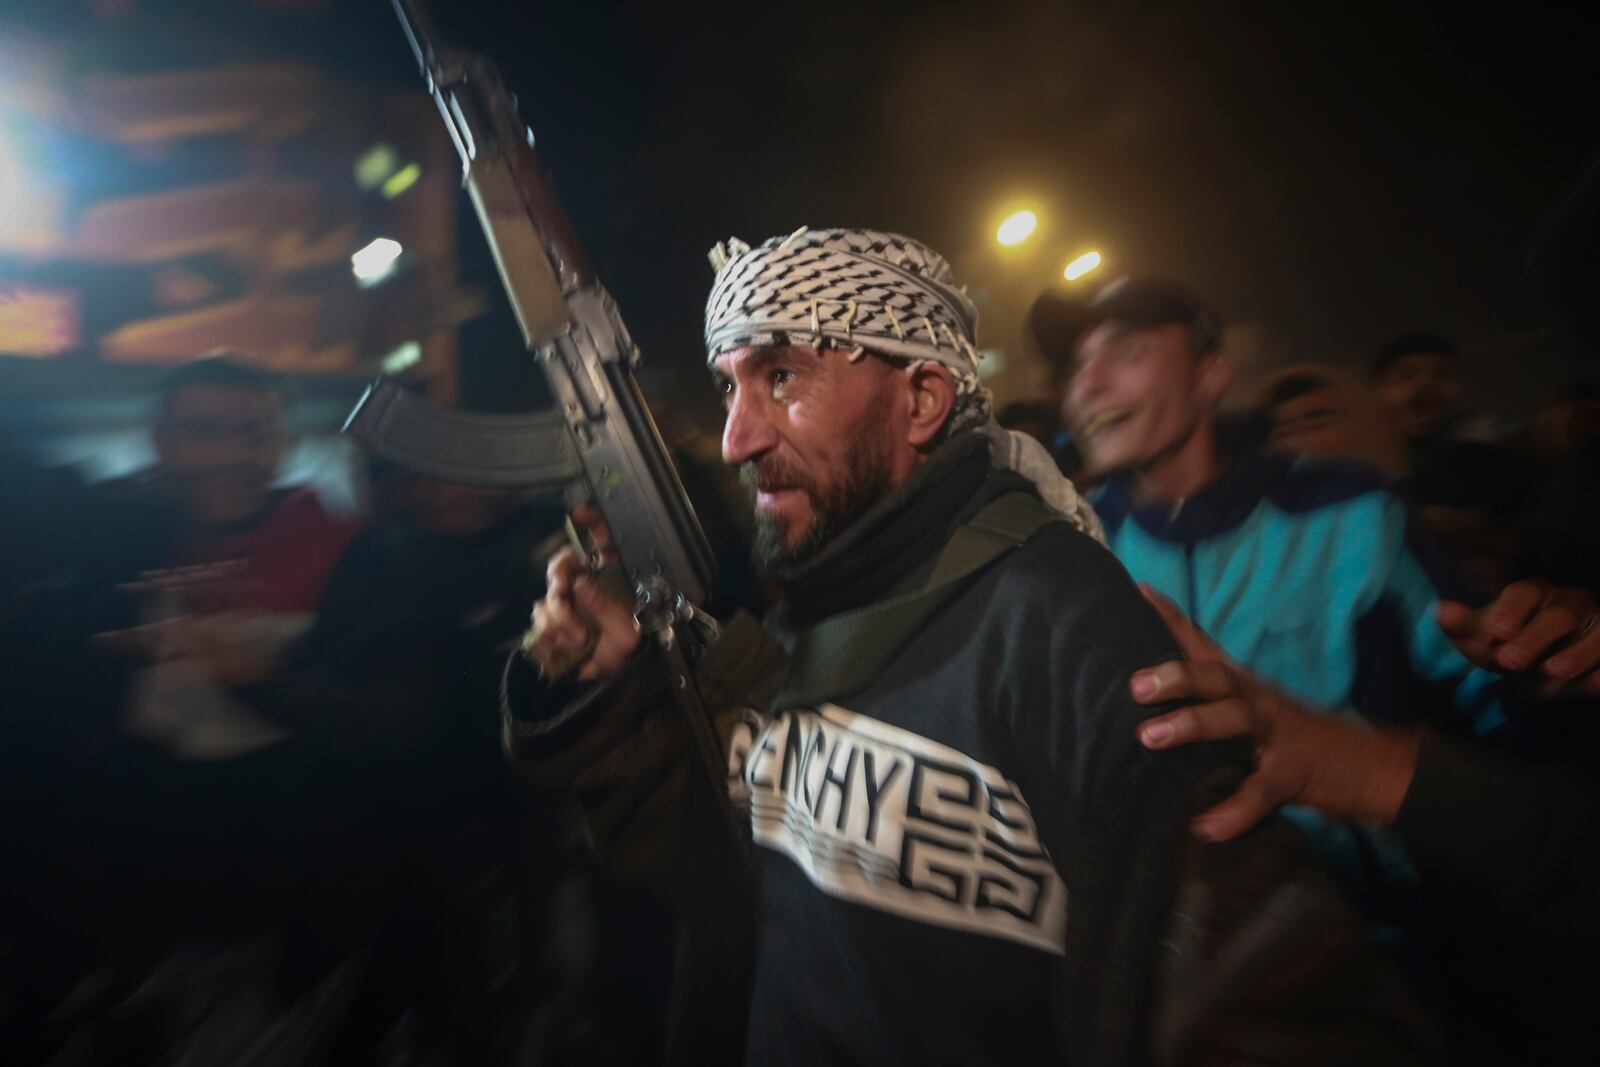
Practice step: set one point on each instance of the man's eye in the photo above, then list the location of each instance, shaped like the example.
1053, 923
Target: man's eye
781, 377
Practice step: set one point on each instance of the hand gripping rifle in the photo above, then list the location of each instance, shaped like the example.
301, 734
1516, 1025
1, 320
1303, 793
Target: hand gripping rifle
599, 442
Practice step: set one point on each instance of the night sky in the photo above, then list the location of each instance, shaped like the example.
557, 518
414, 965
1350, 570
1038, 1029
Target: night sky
1331, 174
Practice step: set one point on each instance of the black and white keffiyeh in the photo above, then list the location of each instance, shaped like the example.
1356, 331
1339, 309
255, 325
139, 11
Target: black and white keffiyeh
841, 289
863, 291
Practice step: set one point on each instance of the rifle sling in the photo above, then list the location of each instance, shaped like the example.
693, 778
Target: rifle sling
846, 652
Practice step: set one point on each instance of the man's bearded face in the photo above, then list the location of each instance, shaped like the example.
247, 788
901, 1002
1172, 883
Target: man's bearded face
816, 438
831, 501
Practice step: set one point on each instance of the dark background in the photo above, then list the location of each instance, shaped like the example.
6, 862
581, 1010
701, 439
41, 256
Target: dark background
1333, 173
1330, 173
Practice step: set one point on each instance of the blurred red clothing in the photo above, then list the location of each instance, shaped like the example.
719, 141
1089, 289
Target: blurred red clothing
287, 557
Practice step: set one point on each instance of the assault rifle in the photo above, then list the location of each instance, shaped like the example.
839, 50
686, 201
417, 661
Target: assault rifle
598, 443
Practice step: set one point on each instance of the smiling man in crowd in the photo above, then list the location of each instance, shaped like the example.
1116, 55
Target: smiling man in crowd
1307, 572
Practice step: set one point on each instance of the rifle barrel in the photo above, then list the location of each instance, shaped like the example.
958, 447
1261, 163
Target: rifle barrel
418, 24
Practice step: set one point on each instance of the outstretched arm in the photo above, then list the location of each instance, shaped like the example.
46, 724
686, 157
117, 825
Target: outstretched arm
1527, 833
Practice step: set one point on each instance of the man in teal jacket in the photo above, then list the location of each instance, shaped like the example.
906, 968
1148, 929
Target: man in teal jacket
1305, 571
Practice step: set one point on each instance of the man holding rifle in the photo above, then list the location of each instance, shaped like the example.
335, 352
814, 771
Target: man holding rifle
961, 852
906, 820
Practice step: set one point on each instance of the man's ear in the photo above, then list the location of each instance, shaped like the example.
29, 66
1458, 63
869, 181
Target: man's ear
1215, 379
932, 396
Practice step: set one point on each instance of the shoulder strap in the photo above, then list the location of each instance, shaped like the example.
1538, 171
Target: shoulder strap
1001, 525
848, 650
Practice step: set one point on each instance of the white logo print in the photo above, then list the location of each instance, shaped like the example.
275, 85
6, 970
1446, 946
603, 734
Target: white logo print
891, 820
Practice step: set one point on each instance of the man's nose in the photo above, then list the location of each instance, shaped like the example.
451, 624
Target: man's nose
225, 453
749, 430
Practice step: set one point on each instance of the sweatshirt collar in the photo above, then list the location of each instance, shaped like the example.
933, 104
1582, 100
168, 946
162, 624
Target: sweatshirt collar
884, 547
1222, 505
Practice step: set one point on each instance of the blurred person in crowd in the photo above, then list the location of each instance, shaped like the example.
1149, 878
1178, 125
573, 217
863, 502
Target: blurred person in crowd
1041, 420
1516, 840
245, 562
1470, 494
1564, 269
45, 535
1418, 377
1042, 321
220, 437
1565, 427
62, 552
374, 882
918, 727
397, 835
1313, 410
158, 578
1305, 570
1037, 419
1559, 537
241, 563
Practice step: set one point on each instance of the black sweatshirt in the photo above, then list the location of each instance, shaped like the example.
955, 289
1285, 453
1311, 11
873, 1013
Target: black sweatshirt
969, 858
922, 839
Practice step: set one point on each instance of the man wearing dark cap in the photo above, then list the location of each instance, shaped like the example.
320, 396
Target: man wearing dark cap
1304, 571
1418, 377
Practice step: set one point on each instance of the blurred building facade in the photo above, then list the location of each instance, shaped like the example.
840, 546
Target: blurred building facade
157, 203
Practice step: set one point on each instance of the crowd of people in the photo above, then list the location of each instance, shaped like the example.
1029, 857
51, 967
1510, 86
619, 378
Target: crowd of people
1103, 729
256, 809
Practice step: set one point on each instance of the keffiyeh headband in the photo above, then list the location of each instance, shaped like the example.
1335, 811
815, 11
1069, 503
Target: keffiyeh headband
841, 289
865, 291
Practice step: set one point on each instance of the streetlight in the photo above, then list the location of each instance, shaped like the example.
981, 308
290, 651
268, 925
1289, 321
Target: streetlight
1017, 227
1081, 266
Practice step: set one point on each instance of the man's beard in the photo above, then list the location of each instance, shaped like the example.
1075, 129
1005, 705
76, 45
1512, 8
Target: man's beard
866, 479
